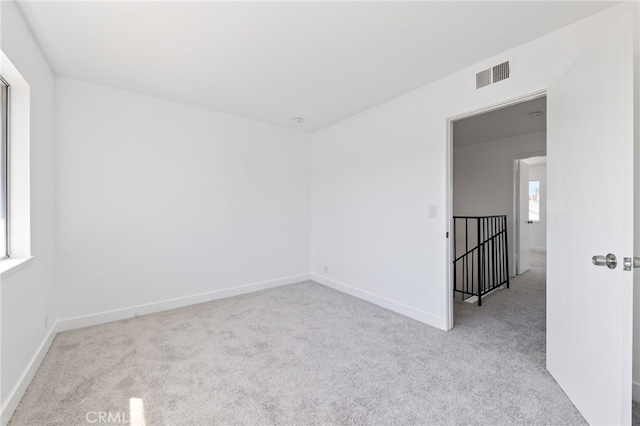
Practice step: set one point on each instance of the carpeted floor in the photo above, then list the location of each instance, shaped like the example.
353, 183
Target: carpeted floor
305, 354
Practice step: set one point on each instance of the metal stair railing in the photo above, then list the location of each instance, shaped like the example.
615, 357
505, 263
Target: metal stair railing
485, 266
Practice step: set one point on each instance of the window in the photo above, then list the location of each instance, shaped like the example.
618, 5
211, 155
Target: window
15, 187
534, 200
4, 169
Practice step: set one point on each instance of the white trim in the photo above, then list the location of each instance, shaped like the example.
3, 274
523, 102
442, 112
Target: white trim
12, 265
449, 254
539, 249
20, 388
149, 308
408, 311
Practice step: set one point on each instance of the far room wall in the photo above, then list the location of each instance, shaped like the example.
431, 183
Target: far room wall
483, 178
160, 201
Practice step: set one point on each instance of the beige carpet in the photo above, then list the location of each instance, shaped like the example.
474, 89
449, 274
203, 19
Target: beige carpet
306, 354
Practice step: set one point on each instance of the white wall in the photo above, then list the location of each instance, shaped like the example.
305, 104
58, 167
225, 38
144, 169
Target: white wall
375, 175
483, 178
159, 201
30, 292
538, 230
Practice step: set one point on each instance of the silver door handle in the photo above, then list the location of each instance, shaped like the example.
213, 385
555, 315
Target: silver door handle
610, 261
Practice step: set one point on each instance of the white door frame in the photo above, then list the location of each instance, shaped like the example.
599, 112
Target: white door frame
516, 231
466, 113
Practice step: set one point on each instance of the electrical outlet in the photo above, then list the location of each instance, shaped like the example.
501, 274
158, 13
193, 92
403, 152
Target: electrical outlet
46, 319
326, 269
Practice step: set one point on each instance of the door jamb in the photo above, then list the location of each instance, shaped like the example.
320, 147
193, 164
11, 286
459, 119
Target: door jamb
449, 181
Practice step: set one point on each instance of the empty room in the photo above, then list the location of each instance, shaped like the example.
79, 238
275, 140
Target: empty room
248, 213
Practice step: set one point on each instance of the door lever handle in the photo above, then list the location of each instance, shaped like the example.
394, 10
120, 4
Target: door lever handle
610, 261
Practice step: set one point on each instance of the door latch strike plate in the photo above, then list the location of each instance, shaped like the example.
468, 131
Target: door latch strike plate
628, 263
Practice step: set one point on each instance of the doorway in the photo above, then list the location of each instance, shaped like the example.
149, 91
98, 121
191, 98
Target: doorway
530, 210
589, 309
490, 153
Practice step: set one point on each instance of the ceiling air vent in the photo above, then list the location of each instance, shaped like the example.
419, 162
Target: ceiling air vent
493, 75
483, 78
501, 72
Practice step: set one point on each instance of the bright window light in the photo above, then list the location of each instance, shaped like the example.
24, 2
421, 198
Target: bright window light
534, 200
136, 412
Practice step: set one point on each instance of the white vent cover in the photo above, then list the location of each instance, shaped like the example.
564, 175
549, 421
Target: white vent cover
501, 72
493, 75
483, 78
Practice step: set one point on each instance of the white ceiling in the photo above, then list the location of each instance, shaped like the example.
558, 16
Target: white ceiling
502, 123
272, 61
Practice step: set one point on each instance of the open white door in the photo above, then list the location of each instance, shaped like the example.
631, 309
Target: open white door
523, 218
590, 212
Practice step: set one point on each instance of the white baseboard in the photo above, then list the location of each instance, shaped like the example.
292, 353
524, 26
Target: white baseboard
18, 391
635, 391
408, 311
150, 308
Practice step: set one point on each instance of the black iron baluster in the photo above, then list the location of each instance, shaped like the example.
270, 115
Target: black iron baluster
485, 267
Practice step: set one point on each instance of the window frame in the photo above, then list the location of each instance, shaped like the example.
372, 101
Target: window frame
18, 168
5, 112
